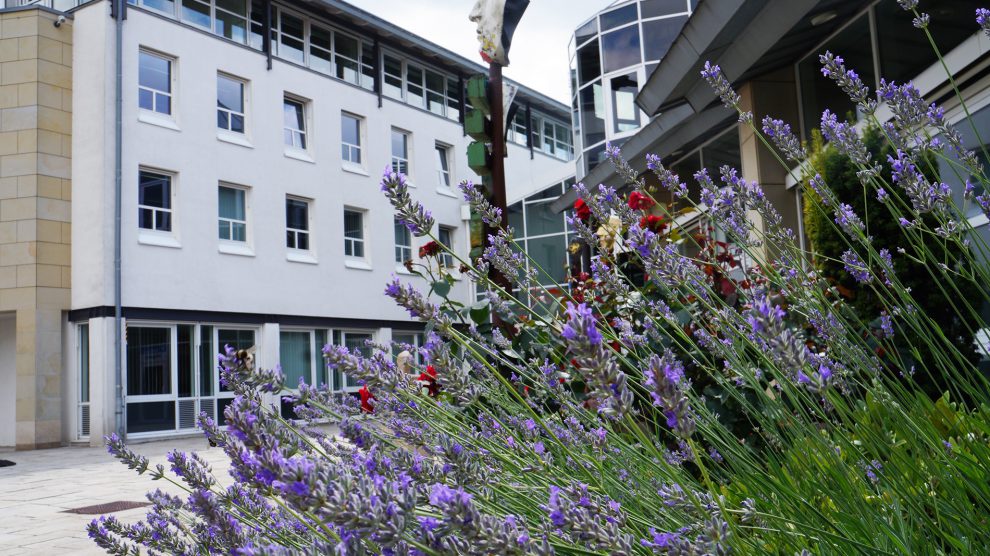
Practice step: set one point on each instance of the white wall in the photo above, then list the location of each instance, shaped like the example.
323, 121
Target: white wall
8, 381
196, 275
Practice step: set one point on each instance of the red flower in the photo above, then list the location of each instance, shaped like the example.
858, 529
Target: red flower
582, 210
428, 250
652, 222
428, 380
640, 201
366, 396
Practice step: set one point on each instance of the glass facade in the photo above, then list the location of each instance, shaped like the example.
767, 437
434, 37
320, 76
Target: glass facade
612, 56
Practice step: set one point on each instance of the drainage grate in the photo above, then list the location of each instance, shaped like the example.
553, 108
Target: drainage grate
107, 508
6, 463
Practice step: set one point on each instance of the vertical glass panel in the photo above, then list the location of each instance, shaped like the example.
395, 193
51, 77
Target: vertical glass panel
322, 377
236, 7
659, 34
231, 26
951, 168
589, 63
167, 6
819, 92
368, 65
399, 144
355, 342
593, 114
320, 48
453, 99
624, 112
149, 361
435, 100
257, 32
541, 219
153, 190
292, 29
83, 339
393, 77
196, 12
207, 361
516, 219
352, 224
586, 31
403, 242
347, 56
619, 16
154, 72
296, 357
231, 203
186, 359
443, 166
296, 214
230, 94
350, 130
550, 253
655, 8
621, 48
414, 85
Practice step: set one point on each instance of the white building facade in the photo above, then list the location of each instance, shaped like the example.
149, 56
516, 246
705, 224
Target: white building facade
251, 210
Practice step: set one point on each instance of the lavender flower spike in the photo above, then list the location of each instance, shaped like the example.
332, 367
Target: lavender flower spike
983, 20
409, 212
609, 384
782, 136
490, 214
666, 382
730, 98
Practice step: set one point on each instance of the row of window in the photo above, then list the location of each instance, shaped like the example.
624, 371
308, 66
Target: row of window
548, 136
156, 94
155, 204
306, 41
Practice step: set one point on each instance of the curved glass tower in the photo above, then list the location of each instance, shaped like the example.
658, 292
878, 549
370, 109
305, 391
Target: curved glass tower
612, 54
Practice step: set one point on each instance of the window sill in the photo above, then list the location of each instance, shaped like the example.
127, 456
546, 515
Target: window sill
160, 120
446, 192
354, 169
400, 269
235, 249
234, 138
299, 154
159, 240
299, 256
357, 264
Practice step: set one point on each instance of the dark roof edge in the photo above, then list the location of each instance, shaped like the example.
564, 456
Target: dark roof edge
468, 65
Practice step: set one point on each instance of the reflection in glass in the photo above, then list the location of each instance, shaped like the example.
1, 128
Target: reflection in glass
619, 17
624, 111
621, 48
655, 8
589, 64
593, 114
659, 35
586, 31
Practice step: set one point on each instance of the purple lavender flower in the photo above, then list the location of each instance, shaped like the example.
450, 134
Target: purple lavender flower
410, 213
712, 73
665, 381
847, 141
925, 196
834, 68
846, 218
489, 213
983, 20
668, 179
782, 136
856, 267
595, 362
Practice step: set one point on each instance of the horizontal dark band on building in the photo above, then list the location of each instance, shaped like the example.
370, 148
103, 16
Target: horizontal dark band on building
226, 317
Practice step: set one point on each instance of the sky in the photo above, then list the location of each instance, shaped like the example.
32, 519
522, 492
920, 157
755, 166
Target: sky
538, 56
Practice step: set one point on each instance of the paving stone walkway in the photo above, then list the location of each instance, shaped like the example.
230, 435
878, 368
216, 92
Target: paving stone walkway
44, 483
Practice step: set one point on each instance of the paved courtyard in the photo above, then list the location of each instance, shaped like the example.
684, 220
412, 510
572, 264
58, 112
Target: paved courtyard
44, 483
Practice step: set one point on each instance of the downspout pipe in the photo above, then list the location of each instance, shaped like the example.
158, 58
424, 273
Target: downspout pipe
118, 337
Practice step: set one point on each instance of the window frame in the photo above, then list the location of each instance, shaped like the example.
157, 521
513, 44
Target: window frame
447, 259
353, 244
246, 196
296, 232
169, 196
444, 175
170, 94
407, 145
228, 131
350, 148
302, 134
403, 251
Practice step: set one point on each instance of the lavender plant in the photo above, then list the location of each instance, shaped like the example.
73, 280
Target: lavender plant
601, 427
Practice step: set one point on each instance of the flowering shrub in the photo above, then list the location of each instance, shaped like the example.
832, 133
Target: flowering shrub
601, 428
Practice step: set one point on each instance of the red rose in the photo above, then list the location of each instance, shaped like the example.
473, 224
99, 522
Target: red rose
582, 210
655, 224
640, 201
366, 397
428, 380
428, 250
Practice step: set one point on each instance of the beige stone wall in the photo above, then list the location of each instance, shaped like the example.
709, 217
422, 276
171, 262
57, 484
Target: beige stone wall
35, 197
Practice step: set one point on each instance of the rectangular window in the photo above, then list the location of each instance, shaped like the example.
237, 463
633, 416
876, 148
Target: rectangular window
443, 165
230, 104
232, 214
294, 122
231, 19
149, 361
445, 236
154, 201
296, 224
196, 12
154, 82
403, 242
292, 33
517, 128
414, 85
347, 53
350, 138
435, 92
393, 77
400, 152
320, 49
353, 233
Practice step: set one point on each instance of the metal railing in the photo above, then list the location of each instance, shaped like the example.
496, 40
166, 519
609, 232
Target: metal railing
60, 5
